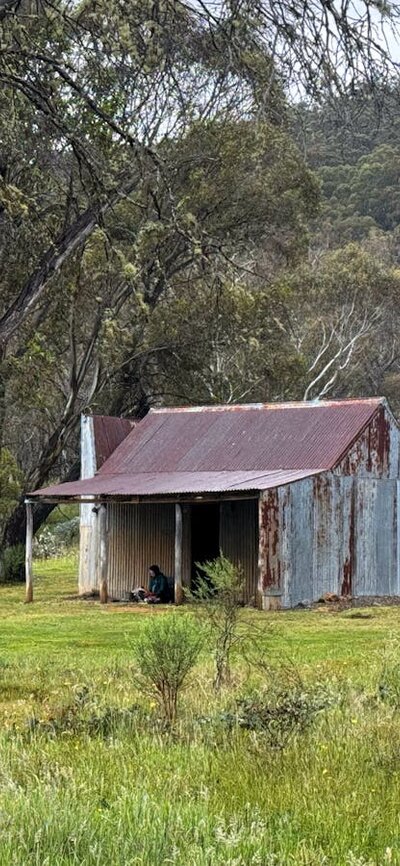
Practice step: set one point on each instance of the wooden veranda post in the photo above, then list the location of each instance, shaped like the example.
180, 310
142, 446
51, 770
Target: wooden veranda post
178, 554
28, 552
103, 558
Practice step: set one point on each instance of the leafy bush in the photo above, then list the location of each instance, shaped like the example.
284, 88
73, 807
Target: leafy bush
56, 538
166, 652
12, 564
44, 545
281, 715
219, 593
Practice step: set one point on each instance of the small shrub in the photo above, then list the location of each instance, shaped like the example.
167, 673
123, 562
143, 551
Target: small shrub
219, 595
12, 565
166, 652
44, 545
280, 716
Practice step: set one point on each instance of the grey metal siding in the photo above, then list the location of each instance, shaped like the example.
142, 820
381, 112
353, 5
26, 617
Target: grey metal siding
365, 578
139, 535
239, 540
331, 534
386, 538
327, 539
301, 543
376, 537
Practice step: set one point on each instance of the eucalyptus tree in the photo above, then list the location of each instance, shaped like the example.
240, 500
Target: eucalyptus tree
108, 81
103, 107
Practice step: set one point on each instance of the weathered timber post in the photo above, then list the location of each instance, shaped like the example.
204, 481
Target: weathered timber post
269, 551
103, 554
178, 555
28, 552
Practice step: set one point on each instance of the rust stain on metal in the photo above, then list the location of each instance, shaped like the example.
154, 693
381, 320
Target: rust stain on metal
371, 450
269, 541
322, 501
170, 483
348, 565
380, 441
261, 438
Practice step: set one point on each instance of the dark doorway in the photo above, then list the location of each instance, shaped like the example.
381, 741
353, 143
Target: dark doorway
205, 534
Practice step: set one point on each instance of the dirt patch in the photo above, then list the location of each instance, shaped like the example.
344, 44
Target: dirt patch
348, 603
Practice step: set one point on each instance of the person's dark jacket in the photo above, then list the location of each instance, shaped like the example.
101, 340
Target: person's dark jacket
159, 587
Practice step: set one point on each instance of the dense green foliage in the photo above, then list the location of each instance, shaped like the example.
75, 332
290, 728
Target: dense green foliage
174, 228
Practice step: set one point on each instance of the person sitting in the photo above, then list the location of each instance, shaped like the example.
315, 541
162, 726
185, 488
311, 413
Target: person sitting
158, 587
159, 591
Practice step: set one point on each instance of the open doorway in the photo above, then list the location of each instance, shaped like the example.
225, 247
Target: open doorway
204, 534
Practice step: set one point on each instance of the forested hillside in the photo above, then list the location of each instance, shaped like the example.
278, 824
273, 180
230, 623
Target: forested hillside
195, 207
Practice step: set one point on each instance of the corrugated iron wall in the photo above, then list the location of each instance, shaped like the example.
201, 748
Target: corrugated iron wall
239, 540
138, 536
339, 531
329, 534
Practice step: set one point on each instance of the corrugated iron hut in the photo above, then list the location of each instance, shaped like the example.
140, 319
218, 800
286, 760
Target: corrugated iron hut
305, 496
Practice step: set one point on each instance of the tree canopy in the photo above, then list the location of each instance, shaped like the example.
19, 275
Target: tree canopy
175, 223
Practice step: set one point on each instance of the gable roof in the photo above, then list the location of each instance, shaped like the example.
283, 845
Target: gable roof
223, 448
109, 432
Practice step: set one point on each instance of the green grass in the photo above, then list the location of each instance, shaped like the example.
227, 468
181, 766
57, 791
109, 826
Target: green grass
133, 794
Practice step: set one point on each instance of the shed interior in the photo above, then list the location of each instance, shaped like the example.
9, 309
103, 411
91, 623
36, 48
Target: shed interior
140, 534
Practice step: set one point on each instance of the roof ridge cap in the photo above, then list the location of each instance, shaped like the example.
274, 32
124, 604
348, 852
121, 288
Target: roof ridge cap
290, 404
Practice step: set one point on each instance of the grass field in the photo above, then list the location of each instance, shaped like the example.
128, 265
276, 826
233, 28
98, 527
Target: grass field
113, 787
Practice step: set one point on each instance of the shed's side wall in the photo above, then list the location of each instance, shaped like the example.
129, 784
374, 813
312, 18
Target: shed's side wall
376, 537
329, 534
239, 540
138, 536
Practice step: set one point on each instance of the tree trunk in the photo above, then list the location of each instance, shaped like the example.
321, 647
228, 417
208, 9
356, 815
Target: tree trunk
15, 529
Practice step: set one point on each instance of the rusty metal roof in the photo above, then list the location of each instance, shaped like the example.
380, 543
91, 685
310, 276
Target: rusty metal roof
109, 432
263, 438
168, 483
222, 448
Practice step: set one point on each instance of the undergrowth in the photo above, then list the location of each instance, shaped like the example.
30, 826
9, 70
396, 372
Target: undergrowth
289, 765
